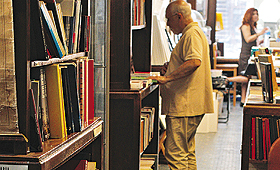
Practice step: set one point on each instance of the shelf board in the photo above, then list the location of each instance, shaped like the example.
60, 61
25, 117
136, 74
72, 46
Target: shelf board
57, 60
138, 27
56, 151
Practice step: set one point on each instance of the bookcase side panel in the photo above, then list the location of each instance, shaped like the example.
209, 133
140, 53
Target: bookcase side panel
21, 11
124, 134
120, 36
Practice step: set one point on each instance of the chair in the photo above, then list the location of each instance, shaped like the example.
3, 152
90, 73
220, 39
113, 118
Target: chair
274, 156
225, 67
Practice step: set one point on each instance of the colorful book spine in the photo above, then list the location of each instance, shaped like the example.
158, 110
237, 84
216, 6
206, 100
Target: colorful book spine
55, 101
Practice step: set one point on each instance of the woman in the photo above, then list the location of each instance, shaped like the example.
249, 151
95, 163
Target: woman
249, 37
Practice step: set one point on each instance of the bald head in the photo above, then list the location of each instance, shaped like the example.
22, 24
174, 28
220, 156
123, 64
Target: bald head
180, 6
178, 15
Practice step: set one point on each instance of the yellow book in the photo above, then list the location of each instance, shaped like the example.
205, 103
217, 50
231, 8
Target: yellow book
55, 101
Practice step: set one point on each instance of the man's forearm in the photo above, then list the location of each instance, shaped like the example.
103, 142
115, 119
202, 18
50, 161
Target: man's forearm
186, 69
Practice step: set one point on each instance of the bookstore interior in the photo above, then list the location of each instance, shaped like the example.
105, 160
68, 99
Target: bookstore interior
74, 82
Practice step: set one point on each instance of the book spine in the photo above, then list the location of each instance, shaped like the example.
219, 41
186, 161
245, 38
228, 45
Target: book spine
49, 25
253, 145
44, 104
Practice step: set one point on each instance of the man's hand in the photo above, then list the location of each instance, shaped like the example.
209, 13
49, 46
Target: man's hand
164, 69
160, 79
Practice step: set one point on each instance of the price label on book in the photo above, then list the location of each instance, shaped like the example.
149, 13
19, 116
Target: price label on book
13, 167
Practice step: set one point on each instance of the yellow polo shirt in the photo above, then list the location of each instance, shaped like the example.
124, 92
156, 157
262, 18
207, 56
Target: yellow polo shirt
191, 95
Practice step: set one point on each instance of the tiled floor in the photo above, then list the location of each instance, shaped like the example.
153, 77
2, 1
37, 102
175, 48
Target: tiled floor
220, 150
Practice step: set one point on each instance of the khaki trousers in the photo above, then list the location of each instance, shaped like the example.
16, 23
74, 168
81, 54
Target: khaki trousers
180, 141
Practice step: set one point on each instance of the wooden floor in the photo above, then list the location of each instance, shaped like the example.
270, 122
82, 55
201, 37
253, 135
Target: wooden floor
221, 150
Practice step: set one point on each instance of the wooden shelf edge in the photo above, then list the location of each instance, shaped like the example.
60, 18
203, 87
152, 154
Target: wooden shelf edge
57, 60
80, 140
138, 27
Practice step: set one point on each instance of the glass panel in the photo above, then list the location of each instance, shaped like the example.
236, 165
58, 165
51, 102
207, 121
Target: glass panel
99, 92
98, 20
233, 12
98, 31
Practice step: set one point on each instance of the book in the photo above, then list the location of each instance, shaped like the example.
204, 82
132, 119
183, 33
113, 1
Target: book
44, 103
82, 83
70, 70
264, 139
267, 85
85, 34
67, 102
52, 37
268, 59
55, 101
90, 91
261, 153
58, 21
85, 85
38, 45
257, 139
77, 14
69, 25
60, 17
147, 163
137, 84
35, 131
83, 165
253, 138
268, 142
151, 112
67, 7
38, 74
141, 135
35, 86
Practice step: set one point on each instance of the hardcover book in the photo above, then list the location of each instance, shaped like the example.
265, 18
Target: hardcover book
35, 131
38, 45
55, 101
71, 94
53, 39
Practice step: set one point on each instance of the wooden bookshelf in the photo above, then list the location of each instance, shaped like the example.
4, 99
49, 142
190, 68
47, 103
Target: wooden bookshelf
128, 42
87, 144
125, 117
254, 106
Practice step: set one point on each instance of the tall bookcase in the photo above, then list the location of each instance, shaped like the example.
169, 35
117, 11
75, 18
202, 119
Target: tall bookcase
126, 42
57, 153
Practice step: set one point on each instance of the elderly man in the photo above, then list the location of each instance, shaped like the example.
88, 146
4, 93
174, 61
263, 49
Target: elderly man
186, 87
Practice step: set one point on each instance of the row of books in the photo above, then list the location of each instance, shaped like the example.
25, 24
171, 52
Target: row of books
61, 34
265, 130
138, 80
147, 126
147, 162
138, 12
63, 99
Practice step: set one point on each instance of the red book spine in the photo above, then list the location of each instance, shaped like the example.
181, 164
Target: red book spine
90, 91
253, 145
85, 93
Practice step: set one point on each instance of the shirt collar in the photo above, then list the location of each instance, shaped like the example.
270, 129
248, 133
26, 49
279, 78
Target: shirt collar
189, 26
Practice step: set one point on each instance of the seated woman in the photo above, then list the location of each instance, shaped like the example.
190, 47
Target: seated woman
249, 38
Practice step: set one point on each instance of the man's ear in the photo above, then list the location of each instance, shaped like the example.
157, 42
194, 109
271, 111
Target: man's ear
179, 15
